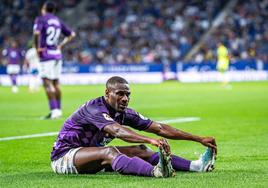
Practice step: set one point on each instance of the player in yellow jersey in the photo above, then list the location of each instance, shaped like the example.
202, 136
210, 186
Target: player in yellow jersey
223, 60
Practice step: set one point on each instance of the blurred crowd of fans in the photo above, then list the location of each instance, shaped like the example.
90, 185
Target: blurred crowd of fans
134, 31
244, 32
144, 31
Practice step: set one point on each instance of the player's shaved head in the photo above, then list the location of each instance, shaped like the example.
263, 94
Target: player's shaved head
114, 81
117, 93
49, 6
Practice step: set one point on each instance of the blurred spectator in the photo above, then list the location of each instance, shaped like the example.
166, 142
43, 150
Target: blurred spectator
14, 57
223, 60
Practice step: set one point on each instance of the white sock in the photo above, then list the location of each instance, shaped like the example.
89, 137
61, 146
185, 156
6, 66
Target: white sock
195, 166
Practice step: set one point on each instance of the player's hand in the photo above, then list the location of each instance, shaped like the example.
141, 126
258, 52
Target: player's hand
210, 142
39, 50
156, 142
165, 146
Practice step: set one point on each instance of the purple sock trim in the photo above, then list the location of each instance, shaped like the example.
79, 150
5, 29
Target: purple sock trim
115, 161
52, 104
59, 104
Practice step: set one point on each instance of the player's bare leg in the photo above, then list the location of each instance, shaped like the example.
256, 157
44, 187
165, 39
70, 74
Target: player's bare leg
50, 92
141, 151
94, 159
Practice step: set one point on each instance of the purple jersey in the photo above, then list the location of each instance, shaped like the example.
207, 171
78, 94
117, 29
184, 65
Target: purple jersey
50, 27
84, 128
13, 55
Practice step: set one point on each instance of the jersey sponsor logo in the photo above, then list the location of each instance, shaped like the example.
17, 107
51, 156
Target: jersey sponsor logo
142, 117
107, 117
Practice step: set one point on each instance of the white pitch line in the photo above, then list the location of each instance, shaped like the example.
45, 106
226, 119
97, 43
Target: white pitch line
28, 136
18, 118
181, 120
176, 120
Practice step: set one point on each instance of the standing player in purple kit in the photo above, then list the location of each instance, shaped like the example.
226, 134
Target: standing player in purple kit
47, 30
14, 57
80, 146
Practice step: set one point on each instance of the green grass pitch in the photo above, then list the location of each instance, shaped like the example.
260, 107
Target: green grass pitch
237, 117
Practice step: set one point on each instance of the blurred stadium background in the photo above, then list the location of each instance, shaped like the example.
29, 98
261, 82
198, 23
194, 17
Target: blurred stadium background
149, 41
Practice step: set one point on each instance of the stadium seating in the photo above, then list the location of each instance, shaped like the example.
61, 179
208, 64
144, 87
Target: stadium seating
244, 31
118, 31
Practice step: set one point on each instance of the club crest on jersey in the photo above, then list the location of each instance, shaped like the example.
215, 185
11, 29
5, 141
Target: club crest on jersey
107, 117
142, 117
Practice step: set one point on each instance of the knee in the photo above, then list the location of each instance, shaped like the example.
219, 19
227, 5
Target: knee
57, 87
111, 152
49, 87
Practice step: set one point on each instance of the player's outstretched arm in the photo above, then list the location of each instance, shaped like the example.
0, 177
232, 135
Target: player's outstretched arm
126, 134
176, 134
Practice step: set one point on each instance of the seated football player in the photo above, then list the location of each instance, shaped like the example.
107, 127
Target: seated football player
81, 143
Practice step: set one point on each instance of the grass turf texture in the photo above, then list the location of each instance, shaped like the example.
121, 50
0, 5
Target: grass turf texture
238, 118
